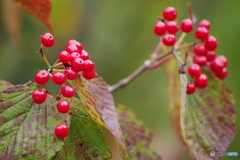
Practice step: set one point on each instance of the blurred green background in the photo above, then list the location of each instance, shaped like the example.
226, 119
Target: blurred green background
119, 36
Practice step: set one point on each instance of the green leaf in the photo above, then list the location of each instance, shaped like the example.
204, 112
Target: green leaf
26, 128
205, 120
5, 84
85, 141
99, 103
136, 135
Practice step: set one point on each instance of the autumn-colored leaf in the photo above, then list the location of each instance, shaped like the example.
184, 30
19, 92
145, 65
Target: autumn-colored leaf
136, 135
99, 103
26, 128
205, 120
86, 139
41, 9
5, 84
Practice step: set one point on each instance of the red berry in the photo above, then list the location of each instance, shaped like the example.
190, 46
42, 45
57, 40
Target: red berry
221, 74
204, 23
59, 78
76, 43
187, 25
210, 55
63, 106
67, 91
72, 48
41, 77
78, 64
211, 43
217, 65
89, 75
191, 88
170, 13
75, 55
70, 73
85, 55
223, 59
201, 81
201, 33
200, 60
89, 66
39, 96
61, 130
160, 28
169, 39
47, 40
172, 27
194, 70
64, 57
199, 49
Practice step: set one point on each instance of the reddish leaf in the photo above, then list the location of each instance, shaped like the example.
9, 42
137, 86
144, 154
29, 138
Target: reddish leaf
5, 84
99, 102
39, 8
136, 135
205, 120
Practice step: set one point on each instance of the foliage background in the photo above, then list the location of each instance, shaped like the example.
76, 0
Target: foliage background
119, 36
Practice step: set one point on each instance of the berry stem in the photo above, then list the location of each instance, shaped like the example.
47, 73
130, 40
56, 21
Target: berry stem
44, 57
56, 63
84, 117
181, 38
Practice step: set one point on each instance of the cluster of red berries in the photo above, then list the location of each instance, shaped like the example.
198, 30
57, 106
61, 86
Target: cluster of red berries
204, 51
75, 62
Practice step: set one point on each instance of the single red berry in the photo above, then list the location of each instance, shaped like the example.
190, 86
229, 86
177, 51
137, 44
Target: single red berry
85, 55
217, 65
204, 23
72, 48
191, 88
61, 130
76, 43
201, 81
41, 77
67, 91
221, 74
89, 66
64, 57
187, 25
169, 39
63, 106
89, 75
78, 64
172, 27
169, 13
39, 96
47, 40
223, 59
211, 43
199, 49
194, 70
201, 33
200, 60
210, 55
70, 73
160, 28
59, 78
75, 55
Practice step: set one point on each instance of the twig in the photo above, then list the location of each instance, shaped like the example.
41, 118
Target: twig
160, 62
145, 66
